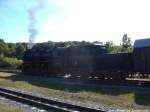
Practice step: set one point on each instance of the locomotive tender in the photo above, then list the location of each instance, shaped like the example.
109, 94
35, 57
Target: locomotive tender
89, 61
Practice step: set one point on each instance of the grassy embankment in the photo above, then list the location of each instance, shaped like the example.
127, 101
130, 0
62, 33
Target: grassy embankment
6, 108
114, 97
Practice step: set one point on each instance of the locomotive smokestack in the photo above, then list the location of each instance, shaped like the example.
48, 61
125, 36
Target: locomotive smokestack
32, 22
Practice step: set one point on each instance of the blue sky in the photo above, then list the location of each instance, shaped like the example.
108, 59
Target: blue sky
62, 20
15, 21
13, 17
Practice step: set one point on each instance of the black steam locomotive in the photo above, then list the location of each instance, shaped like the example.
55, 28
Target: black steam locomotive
89, 61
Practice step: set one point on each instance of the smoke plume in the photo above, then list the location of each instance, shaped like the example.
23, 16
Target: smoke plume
32, 12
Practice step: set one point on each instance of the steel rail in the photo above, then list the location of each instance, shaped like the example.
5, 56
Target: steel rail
43, 103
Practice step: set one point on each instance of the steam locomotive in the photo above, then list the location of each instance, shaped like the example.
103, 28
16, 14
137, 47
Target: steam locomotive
88, 61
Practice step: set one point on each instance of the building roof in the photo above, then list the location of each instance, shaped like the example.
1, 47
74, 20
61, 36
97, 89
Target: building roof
142, 43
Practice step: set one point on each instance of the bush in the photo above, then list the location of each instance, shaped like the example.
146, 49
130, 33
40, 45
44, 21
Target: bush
6, 62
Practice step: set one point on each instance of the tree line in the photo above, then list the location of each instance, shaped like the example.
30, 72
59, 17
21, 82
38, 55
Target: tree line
11, 54
124, 47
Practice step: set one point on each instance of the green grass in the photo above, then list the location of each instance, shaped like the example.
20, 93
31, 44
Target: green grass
113, 96
7, 108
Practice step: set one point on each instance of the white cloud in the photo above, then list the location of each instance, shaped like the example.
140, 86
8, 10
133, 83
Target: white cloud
97, 20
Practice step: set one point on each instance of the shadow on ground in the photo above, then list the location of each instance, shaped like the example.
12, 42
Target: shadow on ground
142, 96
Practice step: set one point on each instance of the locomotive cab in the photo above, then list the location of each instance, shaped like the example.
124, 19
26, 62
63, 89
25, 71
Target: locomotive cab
141, 55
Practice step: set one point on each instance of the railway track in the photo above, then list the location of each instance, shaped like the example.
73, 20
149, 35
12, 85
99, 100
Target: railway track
43, 103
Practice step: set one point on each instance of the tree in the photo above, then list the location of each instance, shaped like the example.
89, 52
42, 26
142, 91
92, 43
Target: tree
126, 44
3, 49
12, 49
2, 40
109, 46
20, 49
7, 62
